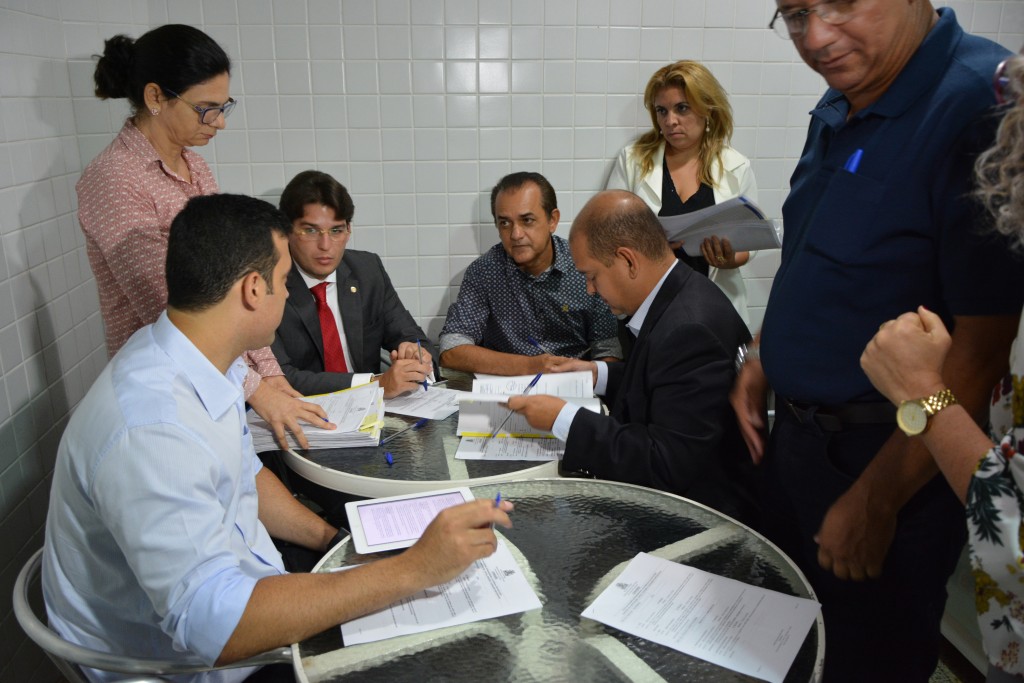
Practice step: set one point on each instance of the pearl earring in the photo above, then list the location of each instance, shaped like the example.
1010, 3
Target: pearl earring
154, 112
707, 125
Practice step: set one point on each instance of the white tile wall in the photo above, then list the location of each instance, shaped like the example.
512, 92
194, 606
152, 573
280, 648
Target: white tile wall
419, 106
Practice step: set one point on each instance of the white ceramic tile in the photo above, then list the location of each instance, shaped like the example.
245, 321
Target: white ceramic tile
460, 12
657, 12
397, 144
527, 110
494, 143
623, 43
363, 111
527, 77
558, 110
360, 43
296, 111
293, 78
428, 77
394, 42
364, 145
325, 42
625, 12
329, 111
494, 77
331, 145
298, 145
290, 42
429, 144
719, 13
398, 177
624, 78
258, 78
527, 42
591, 77
400, 209
462, 176
494, 110
460, 42
461, 110
357, 12
396, 111
495, 42
560, 12
986, 17
529, 12
429, 111
591, 43
360, 78
462, 144
428, 12
393, 11
656, 45
427, 42
494, 11
430, 176
460, 77
527, 143
558, 143
559, 42
431, 209
262, 112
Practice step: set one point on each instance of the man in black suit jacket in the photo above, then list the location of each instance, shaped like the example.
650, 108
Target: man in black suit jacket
359, 295
670, 425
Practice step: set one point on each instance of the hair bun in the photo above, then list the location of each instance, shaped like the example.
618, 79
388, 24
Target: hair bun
113, 70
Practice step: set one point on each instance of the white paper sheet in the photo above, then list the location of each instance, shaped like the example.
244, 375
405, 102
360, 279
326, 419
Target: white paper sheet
555, 384
481, 414
744, 628
357, 412
738, 219
474, 448
436, 404
491, 587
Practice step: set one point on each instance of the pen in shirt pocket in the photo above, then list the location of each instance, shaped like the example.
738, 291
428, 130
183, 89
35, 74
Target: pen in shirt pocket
853, 163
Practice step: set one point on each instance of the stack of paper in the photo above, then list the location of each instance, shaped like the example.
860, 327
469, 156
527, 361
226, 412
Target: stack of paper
358, 414
482, 411
437, 403
739, 220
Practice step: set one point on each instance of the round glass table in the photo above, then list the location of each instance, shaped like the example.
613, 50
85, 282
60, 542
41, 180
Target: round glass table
422, 459
572, 537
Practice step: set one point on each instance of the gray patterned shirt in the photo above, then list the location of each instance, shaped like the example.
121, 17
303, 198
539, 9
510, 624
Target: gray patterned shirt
499, 307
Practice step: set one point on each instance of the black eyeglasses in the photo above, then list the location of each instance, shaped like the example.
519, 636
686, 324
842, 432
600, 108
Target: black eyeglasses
207, 115
794, 22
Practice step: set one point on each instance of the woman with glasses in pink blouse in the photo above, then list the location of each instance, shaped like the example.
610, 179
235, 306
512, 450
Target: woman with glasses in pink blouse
176, 79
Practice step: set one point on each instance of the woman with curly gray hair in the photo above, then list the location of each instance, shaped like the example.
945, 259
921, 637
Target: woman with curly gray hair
904, 361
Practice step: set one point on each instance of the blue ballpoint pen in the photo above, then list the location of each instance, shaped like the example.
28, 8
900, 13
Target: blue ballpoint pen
419, 351
531, 385
415, 425
536, 344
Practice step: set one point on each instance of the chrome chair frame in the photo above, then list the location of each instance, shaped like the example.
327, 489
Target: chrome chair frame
69, 657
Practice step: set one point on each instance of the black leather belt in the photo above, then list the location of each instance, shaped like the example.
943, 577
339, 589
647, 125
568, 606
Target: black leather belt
839, 417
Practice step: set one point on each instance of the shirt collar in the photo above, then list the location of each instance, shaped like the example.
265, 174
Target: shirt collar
217, 392
138, 144
312, 282
919, 75
562, 261
636, 323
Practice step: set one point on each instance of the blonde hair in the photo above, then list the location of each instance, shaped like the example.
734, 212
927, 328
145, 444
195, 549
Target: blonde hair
706, 97
1000, 169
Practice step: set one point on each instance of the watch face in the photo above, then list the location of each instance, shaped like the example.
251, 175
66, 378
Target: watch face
911, 417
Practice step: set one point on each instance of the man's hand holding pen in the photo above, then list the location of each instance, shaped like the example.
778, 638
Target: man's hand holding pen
539, 411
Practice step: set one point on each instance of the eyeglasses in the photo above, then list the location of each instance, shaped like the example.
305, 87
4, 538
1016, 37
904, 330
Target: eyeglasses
207, 115
794, 22
313, 234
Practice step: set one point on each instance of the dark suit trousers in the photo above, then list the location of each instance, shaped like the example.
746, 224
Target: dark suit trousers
884, 629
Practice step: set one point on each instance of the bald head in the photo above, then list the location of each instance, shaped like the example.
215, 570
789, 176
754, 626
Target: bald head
616, 218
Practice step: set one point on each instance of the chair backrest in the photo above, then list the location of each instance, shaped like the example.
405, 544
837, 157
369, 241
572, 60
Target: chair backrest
68, 656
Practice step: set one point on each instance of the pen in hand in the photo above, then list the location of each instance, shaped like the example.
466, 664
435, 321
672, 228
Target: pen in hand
511, 412
419, 352
415, 425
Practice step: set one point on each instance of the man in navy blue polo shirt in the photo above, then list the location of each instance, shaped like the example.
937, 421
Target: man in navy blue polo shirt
878, 221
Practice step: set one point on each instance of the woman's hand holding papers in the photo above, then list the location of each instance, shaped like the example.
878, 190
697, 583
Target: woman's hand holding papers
456, 538
720, 254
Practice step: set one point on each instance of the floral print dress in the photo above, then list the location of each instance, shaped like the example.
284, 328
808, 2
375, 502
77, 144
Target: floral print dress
995, 501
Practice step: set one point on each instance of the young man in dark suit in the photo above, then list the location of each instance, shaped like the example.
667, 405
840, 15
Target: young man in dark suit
670, 425
342, 309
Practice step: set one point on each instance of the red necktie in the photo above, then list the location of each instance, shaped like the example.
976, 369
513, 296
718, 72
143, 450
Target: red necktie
334, 357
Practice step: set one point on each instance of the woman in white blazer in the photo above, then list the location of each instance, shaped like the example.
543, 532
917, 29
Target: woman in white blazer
687, 154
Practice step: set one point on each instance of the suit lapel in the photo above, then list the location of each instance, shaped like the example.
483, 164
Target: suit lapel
350, 303
638, 354
304, 303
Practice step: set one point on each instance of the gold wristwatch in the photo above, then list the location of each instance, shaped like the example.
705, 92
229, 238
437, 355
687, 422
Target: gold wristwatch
912, 416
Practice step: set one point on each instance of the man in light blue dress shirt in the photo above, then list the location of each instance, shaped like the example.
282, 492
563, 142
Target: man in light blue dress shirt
158, 536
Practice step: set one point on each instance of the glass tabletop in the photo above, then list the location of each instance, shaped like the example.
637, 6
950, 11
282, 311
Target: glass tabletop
422, 459
572, 538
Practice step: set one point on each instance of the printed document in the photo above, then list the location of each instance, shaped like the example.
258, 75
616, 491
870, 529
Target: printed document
555, 384
357, 412
738, 219
491, 587
481, 414
752, 630
435, 404
482, 448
